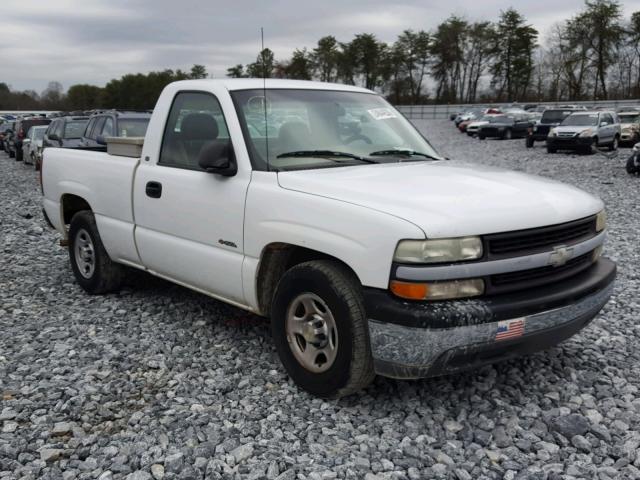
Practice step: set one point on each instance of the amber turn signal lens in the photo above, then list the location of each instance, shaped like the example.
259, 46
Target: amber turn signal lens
411, 291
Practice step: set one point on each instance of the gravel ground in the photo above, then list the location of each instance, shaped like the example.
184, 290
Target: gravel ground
159, 382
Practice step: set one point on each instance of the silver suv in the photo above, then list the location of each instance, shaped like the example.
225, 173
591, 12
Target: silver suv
584, 130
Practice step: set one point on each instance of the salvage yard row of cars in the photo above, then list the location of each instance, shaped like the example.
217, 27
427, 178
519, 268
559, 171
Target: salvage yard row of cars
25, 137
567, 127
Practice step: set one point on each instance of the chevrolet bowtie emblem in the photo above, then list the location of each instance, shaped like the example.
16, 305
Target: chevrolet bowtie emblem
560, 256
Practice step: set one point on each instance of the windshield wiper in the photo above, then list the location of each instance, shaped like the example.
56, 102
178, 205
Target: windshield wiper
325, 154
406, 153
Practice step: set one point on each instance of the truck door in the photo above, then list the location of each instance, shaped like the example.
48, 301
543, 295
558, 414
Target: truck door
189, 223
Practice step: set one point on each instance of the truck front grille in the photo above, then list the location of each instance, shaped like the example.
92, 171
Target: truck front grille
536, 240
525, 279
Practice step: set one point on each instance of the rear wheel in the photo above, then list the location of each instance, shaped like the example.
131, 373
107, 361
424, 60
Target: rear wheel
320, 329
93, 268
614, 145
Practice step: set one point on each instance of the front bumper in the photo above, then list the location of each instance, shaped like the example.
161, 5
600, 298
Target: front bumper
570, 143
627, 137
417, 340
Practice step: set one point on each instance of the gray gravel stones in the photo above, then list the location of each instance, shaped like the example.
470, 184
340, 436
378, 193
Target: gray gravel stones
160, 382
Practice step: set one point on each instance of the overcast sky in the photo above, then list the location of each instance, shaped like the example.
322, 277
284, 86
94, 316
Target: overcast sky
92, 41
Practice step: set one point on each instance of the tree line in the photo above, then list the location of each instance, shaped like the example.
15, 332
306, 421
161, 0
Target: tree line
594, 55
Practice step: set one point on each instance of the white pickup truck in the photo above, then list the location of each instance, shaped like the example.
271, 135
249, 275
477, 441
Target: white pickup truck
321, 207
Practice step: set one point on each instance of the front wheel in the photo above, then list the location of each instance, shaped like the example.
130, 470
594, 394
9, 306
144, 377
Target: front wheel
507, 134
93, 268
529, 142
320, 329
614, 145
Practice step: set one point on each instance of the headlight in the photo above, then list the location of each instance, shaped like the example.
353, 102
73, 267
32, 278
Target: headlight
438, 251
438, 290
587, 133
553, 132
535, 128
601, 221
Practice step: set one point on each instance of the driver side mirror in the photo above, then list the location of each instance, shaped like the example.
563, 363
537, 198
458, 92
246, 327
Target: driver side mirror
218, 157
100, 140
604, 124
54, 137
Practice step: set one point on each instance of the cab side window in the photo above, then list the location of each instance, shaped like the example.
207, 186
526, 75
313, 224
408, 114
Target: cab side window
87, 131
195, 121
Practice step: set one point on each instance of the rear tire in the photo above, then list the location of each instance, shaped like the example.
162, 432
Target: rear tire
614, 145
318, 307
93, 268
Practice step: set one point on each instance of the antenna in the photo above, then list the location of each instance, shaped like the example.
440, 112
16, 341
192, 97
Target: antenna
264, 96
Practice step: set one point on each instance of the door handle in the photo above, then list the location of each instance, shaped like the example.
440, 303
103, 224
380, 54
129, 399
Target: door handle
153, 189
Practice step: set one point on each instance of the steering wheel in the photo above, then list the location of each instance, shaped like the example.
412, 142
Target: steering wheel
356, 137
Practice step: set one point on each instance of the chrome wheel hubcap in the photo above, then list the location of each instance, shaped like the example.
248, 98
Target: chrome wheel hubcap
312, 333
84, 253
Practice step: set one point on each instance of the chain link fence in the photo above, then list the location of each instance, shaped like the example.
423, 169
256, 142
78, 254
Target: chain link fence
416, 112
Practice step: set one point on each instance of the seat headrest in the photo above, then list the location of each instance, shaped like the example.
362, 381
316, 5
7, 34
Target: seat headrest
199, 126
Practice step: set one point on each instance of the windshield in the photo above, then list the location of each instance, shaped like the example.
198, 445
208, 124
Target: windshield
306, 122
132, 127
581, 120
75, 128
629, 117
38, 133
554, 116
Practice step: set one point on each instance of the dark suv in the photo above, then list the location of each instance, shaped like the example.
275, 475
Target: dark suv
551, 117
115, 124
21, 131
64, 132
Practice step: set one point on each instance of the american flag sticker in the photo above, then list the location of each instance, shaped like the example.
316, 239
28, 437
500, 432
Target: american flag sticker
510, 329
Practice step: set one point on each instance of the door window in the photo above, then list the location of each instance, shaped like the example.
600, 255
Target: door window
195, 121
87, 132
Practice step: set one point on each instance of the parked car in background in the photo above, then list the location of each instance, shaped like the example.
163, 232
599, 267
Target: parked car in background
32, 145
505, 127
551, 117
64, 132
474, 126
114, 124
21, 129
584, 130
3, 132
471, 114
630, 127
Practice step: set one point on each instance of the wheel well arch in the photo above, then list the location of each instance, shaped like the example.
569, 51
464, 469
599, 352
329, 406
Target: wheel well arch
72, 204
275, 260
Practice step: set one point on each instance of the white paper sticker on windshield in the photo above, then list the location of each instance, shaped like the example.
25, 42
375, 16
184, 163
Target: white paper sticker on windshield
382, 113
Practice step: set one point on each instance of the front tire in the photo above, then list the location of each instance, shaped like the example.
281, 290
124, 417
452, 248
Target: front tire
529, 142
507, 135
614, 145
320, 329
93, 268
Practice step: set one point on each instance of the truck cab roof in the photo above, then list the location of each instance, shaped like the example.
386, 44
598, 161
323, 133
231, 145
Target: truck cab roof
232, 84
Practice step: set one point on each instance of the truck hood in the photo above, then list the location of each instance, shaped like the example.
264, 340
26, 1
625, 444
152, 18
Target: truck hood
446, 199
